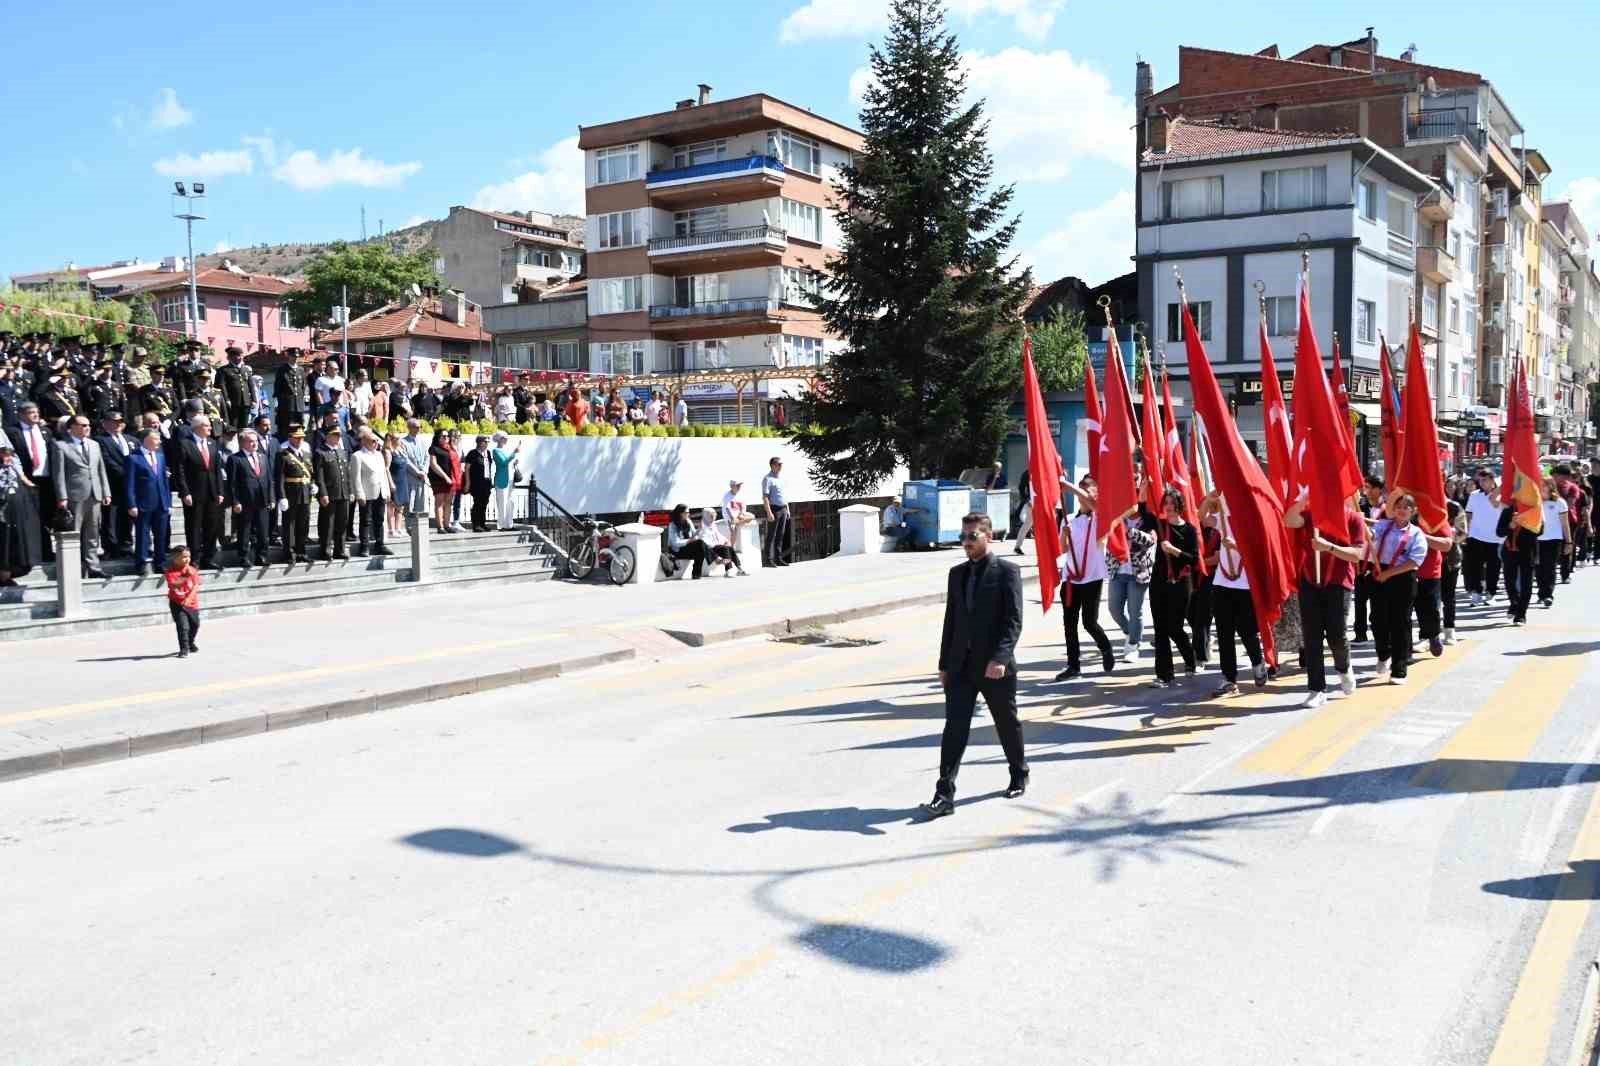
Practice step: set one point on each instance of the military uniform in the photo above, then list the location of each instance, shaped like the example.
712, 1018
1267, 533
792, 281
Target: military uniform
296, 486
105, 397
238, 392
135, 377
157, 398
57, 400
186, 371
289, 393
335, 481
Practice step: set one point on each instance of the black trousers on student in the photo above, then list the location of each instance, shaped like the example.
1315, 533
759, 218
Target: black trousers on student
1365, 589
1085, 607
1448, 578
1427, 606
1519, 567
960, 695
1235, 613
1566, 558
1549, 555
1391, 621
1482, 565
1322, 613
1169, 606
187, 621
1200, 618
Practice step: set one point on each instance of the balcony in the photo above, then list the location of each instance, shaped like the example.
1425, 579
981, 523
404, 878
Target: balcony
720, 181
1565, 296
720, 249
1436, 263
1440, 204
1443, 124
718, 318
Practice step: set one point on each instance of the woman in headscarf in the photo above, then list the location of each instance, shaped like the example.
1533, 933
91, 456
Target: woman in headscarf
718, 547
20, 548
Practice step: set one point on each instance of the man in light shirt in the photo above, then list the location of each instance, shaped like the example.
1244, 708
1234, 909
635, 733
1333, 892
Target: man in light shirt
1481, 562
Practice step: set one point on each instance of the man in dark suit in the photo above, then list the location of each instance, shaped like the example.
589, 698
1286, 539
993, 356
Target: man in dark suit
270, 444
147, 497
199, 481
253, 498
116, 528
982, 624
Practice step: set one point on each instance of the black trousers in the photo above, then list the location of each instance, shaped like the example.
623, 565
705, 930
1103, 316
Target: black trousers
1200, 618
1391, 621
333, 525
779, 546
372, 515
1235, 613
116, 525
695, 550
296, 528
724, 553
1322, 615
254, 525
1429, 593
1481, 562
1365, 590
960, 695
202, 526
1447, 594
286, 415
480, 508
1169, 606
187, 621
1084, 607
44, 497
1549, 556
1519, 567
1565, 558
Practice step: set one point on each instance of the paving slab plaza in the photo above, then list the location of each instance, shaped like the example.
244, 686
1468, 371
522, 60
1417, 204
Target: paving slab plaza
713, 855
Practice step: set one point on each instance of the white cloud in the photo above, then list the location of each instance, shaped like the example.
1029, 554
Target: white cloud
556, 187
265, 145
1584, 195
168, 114
414, 220
206, 165
308, 171
862, 18
1094, 244
222, 246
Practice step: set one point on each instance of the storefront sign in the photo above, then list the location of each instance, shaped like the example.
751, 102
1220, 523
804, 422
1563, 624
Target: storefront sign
1247, 391
1019, 427
1366, 385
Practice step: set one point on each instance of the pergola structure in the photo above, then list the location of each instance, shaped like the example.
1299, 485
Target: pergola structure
741, 378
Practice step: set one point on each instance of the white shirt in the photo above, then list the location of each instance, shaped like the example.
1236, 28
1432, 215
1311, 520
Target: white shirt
1553, 510
652, 412
1483, 514
732, 507
1083, 557
1228, 561
363, 400
34, 444
682, 412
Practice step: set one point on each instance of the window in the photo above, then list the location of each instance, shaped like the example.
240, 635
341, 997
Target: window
534, 257
1402, 217
1455, 246
172, 309
570, 263
1282, 316
1472, 325
800, 286
795, 152
517, 356
1430, 307
693, 355
700, 220
1367, 200
620, 229
1366, 321
699, 289
1191, 198
704, 152
284, 321
1284, 190
624, 358
238, 313
564, 355
802, 351
1455, 315
1200, 309
613, 295
616, 164
803, 221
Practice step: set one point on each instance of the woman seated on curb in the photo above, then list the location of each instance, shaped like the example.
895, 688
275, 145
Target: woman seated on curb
681, 541
717, 546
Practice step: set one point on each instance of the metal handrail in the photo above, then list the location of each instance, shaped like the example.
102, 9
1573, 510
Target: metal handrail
559, 529
716, 166
757, 232
714, 307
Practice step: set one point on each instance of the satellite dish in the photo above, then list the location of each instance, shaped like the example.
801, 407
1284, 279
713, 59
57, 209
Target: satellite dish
416, 291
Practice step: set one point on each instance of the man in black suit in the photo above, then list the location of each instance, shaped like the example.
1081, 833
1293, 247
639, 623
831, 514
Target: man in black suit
253, 498
270, 444
199, 483
982, 624
116, 527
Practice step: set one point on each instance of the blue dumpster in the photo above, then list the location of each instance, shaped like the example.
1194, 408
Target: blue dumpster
996, 503
939, 507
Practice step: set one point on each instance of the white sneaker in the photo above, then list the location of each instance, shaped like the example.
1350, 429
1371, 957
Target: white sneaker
1449, 636
1476, 599
1347, 682
1397, 680
1130, 651
457, 527
1382, 672
1315, 699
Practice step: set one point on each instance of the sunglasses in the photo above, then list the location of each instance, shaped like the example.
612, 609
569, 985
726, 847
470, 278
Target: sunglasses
972, 536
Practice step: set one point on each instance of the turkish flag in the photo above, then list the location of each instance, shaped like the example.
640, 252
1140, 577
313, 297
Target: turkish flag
1044, 471
1119, 492
1108, 525
1152, 443
1327, 465
1417, 471
1391, 427
1175, 468
1280, 438
1342, 397
1252, 509
1522, 479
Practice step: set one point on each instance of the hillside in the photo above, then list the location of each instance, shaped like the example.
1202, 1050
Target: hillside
289, 260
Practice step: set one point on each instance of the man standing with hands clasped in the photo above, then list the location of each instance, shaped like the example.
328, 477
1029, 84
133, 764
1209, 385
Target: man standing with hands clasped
982, 624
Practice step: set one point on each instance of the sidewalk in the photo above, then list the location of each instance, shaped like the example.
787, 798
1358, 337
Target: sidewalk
103, 696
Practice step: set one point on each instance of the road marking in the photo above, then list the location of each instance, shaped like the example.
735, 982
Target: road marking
1536, 849
1526, 1031
1320, 741
1486, 753
1194, 782
1324, 820
231, 685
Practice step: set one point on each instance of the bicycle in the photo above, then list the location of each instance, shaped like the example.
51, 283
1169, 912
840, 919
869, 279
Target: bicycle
602, 547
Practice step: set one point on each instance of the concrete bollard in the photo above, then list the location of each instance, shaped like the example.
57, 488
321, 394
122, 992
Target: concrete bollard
421, 558
645, 540
69, 575
859, 530
747, 542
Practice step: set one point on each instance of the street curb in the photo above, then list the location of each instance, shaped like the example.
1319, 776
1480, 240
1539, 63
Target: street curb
786, 626
91, 750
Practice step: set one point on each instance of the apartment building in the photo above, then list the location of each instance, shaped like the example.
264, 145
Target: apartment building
1576, 294
545, 329
708, 234
488, 254
1453, 126
1233, 208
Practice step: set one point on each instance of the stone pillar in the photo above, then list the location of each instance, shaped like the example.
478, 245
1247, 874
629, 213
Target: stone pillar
421, 558
69, 575
645, 540
860, 531
747, 542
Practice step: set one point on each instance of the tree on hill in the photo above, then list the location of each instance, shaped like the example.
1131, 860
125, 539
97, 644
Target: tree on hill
1060, 350
924, 293
373, 274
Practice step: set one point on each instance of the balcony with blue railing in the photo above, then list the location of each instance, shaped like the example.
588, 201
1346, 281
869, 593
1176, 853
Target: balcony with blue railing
753, 171
752, 305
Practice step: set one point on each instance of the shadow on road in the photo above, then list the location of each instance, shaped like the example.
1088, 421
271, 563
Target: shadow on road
1571, 647
1580, 882
862, 820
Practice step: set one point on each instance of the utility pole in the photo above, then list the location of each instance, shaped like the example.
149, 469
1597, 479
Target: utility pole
344, 317
363, 223
196, 191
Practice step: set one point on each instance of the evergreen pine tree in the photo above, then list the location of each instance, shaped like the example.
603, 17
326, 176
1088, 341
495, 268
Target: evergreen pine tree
923, 292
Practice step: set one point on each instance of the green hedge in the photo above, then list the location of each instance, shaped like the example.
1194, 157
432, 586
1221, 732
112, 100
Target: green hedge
469, 428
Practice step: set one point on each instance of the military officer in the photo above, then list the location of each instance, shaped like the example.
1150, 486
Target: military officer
289, 391
335, 490
238, 391
296, 483
104, 396
57, 399
210, 397
157, 398
185, 369
136, 377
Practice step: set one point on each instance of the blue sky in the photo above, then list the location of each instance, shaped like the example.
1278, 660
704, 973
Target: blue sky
296, 114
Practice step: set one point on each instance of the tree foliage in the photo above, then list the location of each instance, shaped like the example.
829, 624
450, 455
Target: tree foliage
373, 274
923, 293
48, 311
1060, 350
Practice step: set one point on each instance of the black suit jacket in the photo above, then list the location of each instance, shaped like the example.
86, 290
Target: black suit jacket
253, 491
116, 462
191, 476
986, 629
480, 472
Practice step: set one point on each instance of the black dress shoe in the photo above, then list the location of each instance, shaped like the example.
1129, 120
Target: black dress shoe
1019, 785
1068, 674
144, 571
194, 649
1110, 662
95, 572
939, 806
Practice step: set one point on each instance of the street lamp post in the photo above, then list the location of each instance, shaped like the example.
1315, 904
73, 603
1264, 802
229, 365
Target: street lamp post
196, 191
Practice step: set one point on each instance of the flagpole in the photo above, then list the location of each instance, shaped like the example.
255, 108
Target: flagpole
1305, 282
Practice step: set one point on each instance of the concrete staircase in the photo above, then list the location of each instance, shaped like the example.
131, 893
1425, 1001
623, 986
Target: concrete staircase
462, 561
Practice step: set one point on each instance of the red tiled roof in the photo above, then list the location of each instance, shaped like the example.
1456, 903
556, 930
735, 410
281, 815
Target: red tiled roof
215, 279
1189, 139
424, 319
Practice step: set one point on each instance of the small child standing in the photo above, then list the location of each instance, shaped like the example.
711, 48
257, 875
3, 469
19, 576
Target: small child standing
183, 598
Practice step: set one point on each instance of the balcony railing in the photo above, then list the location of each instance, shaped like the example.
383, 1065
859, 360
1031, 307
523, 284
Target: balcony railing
758, 234
719, 168
1438, 123
748, 305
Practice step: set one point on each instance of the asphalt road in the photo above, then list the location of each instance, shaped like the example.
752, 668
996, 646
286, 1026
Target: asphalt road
715, 858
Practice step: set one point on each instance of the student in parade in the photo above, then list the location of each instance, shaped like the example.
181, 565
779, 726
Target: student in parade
1555, 541
1177, 551
1083, 573
1327, 579
1231, 605
1398, 549
1450, 573
1200, 599
1520, 556
1372, 493
1481, 564
1130, 581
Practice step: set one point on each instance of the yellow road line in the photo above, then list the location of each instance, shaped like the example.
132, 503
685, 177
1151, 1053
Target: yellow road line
1525, 1034
1321, 740
140, 699
1485, 753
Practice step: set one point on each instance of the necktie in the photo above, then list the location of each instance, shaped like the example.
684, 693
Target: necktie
255, 467
205, 456
33, 449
